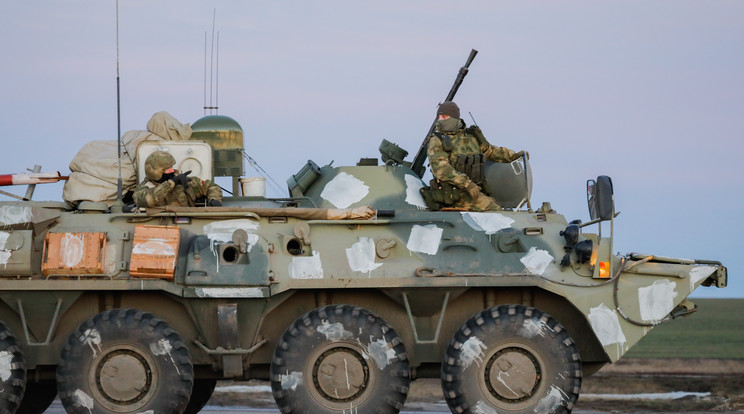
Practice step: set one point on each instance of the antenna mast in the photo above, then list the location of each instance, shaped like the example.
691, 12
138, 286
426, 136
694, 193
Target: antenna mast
213, 91
119, 198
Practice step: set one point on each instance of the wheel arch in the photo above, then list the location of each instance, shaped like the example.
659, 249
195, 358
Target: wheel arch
424, 307
77, 308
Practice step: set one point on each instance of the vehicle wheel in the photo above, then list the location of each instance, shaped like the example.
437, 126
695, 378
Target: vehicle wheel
12, 372
38, 397
124, 361
200, 395
339, 358
511, 359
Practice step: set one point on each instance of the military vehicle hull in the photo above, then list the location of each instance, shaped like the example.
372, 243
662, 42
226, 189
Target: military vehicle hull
129, 312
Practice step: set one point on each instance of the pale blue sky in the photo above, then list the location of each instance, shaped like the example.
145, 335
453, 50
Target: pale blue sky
648, 92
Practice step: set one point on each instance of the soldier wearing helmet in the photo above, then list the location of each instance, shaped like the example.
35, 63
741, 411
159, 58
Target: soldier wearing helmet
457, 159
165, 186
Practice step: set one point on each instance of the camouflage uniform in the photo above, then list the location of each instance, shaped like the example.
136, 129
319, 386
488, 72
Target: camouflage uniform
443, 151
152, 193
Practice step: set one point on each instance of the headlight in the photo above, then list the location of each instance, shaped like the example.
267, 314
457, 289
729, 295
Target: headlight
585, 252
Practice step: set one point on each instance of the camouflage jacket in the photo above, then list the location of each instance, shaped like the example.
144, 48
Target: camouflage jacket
463, 141
152, 194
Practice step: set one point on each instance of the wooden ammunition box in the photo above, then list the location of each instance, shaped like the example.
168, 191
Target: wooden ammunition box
73, 254
154, 251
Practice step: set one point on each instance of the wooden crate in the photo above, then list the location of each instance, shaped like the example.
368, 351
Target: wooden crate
154, 251
73, 254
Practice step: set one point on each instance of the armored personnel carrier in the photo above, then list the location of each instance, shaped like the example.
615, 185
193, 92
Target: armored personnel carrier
339, 295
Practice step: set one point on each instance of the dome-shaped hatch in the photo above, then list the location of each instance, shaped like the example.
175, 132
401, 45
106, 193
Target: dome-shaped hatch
225, 136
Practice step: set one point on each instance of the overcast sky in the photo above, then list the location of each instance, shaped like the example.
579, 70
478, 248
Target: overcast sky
648, 92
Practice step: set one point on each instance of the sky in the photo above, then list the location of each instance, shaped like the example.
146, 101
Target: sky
650, 93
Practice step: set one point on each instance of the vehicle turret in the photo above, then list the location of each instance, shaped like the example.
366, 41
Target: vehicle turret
225, 136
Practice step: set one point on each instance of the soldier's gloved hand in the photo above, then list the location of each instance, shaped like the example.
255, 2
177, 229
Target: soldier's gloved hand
520, 154
215, 203
182, 179
473, 190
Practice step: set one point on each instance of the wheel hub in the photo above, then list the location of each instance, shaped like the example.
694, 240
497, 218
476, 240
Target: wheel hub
340, 374
512, 374
123, 377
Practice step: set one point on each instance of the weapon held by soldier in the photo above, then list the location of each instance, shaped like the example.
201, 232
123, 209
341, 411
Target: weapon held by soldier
457, 157
165, 186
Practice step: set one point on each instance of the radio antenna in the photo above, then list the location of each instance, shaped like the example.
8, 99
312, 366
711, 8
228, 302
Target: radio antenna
213, 77
217, 77
119, 198
205, 73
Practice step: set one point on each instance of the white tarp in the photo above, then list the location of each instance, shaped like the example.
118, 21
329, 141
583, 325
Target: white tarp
95, 168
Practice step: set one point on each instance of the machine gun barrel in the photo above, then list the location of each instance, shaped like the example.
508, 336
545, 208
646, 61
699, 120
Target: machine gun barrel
418, 161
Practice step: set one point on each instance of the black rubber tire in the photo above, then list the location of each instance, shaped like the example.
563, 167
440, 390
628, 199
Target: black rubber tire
511, 339
12, 372
373, 374
124, 361
39, 396
200, 395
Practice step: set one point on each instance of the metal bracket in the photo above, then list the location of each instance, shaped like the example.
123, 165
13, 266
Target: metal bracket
237, 351
52, 327
413, 323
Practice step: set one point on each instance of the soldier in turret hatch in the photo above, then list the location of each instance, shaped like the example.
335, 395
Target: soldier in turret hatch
165, 186
457, 159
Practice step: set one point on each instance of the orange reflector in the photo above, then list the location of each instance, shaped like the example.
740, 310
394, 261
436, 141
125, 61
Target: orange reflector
604, 270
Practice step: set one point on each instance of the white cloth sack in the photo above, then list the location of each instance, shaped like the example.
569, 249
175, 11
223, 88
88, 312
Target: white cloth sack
95, 168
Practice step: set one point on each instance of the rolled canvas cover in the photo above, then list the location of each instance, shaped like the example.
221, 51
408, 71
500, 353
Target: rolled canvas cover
95, 168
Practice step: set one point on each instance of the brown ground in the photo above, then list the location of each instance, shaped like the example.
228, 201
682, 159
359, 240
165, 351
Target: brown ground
724, 379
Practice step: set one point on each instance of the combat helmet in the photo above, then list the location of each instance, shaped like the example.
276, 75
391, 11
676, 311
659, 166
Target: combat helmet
156, 164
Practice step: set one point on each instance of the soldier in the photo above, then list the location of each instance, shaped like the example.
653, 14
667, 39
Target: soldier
457, 159
164, 186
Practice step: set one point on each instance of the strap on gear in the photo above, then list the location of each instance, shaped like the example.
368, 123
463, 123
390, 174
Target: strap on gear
440, 194
446, 141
